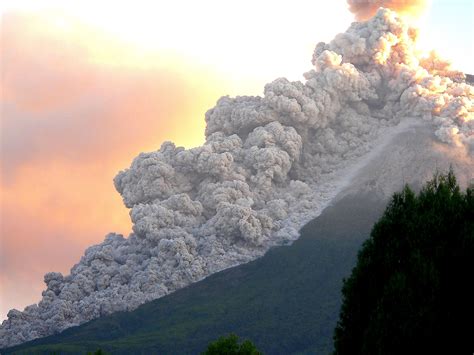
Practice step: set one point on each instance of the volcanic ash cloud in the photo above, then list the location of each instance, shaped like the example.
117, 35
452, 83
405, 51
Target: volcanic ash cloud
201, 210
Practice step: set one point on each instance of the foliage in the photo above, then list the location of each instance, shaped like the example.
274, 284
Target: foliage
411, 291
230, 346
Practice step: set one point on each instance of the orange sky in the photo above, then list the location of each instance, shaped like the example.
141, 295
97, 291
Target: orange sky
71, 119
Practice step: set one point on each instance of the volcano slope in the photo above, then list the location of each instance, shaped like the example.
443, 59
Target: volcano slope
287, 301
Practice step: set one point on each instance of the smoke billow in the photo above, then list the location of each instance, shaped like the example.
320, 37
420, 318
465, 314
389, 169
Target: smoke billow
365, 9
267, 164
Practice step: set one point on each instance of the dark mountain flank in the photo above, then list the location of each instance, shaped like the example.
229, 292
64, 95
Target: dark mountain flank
286, 302
469, 78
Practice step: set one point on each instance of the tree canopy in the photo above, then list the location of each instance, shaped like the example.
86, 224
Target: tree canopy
230, 346
411, 290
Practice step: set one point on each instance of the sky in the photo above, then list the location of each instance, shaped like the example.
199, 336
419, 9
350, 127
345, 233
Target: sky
86, 87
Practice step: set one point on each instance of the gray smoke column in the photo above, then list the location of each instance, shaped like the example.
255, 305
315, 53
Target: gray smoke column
365, 9
268, 164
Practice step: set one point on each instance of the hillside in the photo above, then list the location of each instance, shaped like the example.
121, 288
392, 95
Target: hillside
286, 302
470, 78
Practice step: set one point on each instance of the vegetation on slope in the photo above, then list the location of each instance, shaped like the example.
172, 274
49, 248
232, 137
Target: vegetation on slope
411, 290
230, 345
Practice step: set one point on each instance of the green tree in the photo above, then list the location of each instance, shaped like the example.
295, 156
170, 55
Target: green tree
411, 290
230, 346
97, 352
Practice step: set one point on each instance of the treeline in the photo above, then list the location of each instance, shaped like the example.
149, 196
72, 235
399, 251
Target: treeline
411, 290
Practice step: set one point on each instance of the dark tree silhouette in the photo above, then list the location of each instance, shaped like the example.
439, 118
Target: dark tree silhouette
411, 290
230, 346
97, 352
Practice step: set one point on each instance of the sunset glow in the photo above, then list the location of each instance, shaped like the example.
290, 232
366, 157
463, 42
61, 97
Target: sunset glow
85, 110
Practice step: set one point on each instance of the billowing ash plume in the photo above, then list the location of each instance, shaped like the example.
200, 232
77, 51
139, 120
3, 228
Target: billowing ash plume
267, 161
365, 9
